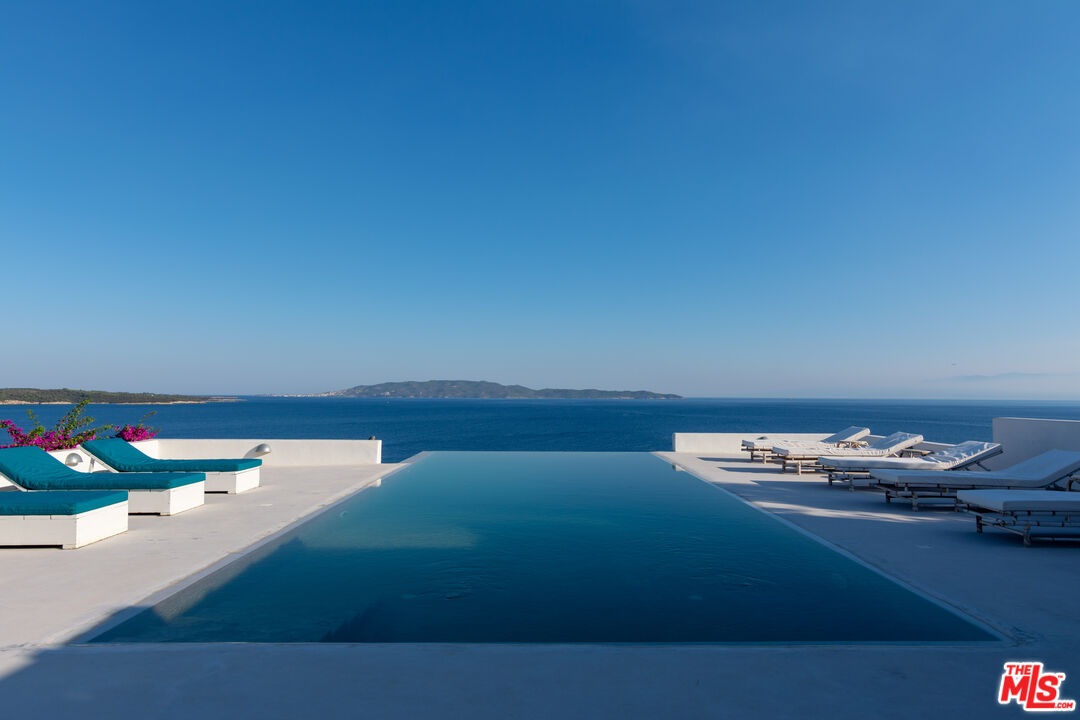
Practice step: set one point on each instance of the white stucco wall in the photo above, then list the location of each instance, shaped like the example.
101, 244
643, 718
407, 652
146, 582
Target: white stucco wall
284, 453
1022, 438
84, 459
729, 442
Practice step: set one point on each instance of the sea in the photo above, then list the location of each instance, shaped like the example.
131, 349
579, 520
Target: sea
409, 426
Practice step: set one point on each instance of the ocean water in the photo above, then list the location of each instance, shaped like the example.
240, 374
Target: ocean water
411, 426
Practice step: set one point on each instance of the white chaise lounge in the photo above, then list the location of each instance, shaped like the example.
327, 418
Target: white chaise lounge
763, 445
222, 475
955, 457
1053, 467
1048, 513
807, 456
59, 518
31, 468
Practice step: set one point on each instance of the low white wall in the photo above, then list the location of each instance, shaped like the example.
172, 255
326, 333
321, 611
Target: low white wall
283, 453
147, 446
721, 443
84, 460
1023, 438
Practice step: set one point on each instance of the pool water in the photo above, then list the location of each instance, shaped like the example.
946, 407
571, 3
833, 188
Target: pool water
545, 547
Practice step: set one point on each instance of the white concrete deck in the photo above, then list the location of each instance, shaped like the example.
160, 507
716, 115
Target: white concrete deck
1028, 594
47, 595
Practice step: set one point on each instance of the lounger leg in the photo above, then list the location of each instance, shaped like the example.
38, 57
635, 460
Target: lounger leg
914, 500
978, 524
1027, 536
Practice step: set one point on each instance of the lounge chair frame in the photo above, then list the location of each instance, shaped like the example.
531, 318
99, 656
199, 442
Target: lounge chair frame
920, 492
169, 501
216, 482
232, 482
810, 462
849, 476
766, 453
1021, 522
163, 501
65, 531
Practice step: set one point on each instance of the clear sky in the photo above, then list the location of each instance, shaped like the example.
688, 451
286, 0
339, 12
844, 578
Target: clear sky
716, 199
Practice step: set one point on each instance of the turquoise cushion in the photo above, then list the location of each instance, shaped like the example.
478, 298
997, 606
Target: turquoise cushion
57, 502
34, 469
122, 456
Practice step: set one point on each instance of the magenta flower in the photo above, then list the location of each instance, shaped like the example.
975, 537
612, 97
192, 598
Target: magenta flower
71, 431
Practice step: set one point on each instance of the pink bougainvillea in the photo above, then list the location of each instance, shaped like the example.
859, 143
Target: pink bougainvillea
46, 440
72, 430
138, 431
134, 433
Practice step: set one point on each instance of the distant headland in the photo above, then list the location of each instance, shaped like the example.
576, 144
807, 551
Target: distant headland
66, 396
473, 389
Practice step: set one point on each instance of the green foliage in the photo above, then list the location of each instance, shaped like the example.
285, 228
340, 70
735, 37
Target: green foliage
71, 430
481, 389
65, 395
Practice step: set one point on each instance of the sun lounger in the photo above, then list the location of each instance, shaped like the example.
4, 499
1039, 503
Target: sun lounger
1048, 513
956, 457
800, 456
68, 519
31, 468
1050, 468
231, 476
763, 445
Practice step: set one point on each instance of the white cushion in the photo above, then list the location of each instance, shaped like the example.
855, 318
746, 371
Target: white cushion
1039, 471
1021, 500
881, 447
766, 442
896, 442
848, 434
963, 454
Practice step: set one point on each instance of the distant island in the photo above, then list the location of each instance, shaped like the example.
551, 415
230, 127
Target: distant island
65, 396
473, 389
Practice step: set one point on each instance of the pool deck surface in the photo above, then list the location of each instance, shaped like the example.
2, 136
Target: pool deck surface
49, 595
1031, 596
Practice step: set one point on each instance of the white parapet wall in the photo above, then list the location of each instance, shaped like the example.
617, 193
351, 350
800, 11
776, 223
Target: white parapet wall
1023, 438
80, 462
726, 443
283, 453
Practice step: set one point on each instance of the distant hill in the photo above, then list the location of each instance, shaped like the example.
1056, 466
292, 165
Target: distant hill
483, 390
11, 396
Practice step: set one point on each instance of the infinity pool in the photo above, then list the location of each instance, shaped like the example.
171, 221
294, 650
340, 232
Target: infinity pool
545, 547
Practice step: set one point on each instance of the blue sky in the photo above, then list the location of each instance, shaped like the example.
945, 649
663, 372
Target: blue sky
840, 199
